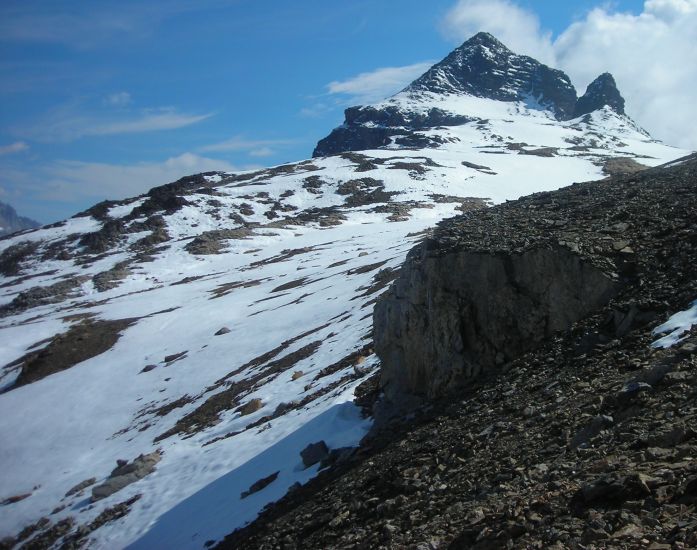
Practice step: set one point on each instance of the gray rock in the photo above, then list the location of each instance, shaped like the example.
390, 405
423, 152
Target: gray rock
126, 473
80, 486
314, 453
434, 328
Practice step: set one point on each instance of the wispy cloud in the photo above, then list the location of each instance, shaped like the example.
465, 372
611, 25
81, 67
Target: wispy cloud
69, 181
90, 25
118, 99
376, 85
253, 147
70, 123
12, 148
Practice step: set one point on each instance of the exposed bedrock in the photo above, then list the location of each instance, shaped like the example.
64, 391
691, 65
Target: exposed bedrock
491, 285
452, 317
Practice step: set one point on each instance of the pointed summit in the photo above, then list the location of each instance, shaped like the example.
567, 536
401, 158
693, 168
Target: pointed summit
484, 67
601, 92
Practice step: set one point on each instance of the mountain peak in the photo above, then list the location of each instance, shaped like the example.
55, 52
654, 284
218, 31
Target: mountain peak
485, 67
601, 92
483, 38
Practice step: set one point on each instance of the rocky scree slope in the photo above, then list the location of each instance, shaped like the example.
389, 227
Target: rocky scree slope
587, 440
482, 67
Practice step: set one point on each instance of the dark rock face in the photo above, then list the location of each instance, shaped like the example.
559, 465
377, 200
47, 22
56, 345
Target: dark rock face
10, 222
314, 453
492, 285
601, 92
451, 317
371, 128
484, 67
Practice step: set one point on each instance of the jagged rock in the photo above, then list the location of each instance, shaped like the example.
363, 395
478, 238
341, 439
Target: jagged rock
126, 473
314, 453
12, 257
601, 92
221, 331
484, 67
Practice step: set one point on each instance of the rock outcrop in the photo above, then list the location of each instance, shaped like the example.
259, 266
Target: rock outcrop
601, 92
451, 317
126, 473
491, 285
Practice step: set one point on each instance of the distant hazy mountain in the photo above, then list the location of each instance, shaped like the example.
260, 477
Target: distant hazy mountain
10, 222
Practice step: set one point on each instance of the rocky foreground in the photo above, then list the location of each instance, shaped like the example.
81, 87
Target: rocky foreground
573, 431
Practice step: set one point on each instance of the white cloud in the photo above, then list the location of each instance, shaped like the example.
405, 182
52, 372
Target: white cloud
72, 181
254, 147
12, 148
376, 85
262, 152
118, 99
651, 54
68, 123
516, 27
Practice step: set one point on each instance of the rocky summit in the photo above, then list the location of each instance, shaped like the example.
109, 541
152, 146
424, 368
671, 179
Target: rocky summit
576, 430
602, 91
484, 67
173, 363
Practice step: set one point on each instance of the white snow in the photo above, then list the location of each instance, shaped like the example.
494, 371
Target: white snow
674, 328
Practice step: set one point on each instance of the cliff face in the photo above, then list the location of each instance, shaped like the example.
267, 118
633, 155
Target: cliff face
453, 317
491, 285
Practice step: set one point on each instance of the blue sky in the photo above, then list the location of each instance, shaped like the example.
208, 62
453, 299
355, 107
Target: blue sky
107, 99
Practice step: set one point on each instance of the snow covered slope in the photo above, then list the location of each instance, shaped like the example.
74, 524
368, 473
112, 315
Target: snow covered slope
225, 320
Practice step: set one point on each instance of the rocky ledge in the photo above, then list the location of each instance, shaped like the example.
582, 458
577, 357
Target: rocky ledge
582, 438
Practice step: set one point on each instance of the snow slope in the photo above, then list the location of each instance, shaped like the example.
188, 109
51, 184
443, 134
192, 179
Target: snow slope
317, 242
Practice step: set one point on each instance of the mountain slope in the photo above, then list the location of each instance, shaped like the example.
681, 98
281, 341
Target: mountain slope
584, 439
224, 321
